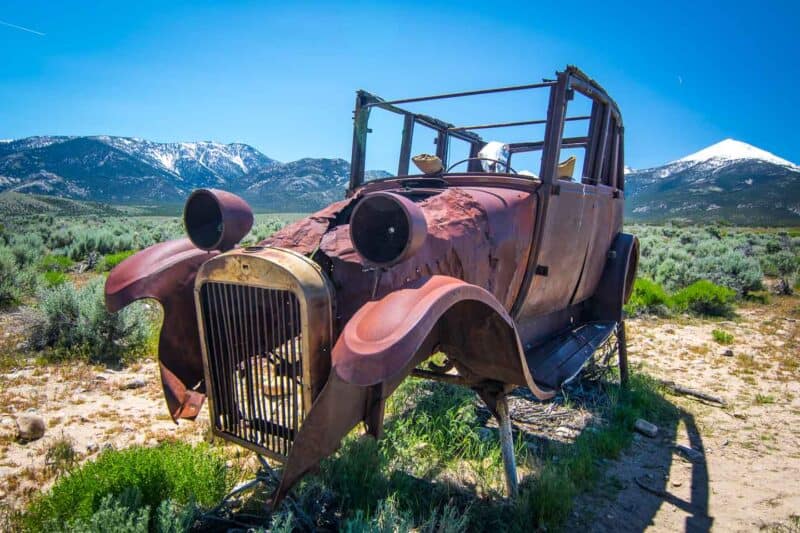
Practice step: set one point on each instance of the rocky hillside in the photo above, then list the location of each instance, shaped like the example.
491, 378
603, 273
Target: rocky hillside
730, 180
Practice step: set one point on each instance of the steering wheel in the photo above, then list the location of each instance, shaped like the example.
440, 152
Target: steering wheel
508, 167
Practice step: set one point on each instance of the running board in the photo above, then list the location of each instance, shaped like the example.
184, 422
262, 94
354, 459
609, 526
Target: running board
558, 361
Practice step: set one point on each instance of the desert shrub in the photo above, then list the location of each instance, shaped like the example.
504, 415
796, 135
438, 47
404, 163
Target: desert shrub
54, 278
56, 263
722, 337
786, 265
110, 261
99, 241
674, 272
126, 514
138, 480
263, 229
28, 248
772, 246
9, 291
75, 323
389, 518
648, 297
760, 297
705, 298
730, 268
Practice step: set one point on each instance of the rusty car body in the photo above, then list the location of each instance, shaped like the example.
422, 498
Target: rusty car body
516, 278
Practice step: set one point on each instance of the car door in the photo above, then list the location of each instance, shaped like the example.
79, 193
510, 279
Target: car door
605, 219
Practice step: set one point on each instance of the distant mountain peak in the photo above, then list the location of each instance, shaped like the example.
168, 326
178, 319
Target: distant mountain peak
733, 150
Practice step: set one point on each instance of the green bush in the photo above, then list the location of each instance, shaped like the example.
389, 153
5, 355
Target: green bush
137, 479
55, 278
705, 298
75, 323
786, 265
110, 261
56, 263
648, 297
722, 337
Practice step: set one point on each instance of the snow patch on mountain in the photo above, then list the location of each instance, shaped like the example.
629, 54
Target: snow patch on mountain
733, 150
220, 160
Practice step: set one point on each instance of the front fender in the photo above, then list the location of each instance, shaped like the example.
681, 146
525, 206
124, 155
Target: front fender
166, 272
384, 335
383, 342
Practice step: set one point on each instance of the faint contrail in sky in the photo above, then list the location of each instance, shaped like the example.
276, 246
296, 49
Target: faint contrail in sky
4, 23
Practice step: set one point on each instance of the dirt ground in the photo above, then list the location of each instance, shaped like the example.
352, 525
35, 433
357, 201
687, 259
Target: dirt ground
745, 477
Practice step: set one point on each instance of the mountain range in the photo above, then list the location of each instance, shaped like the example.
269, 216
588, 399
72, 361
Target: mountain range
730, 180
125, 170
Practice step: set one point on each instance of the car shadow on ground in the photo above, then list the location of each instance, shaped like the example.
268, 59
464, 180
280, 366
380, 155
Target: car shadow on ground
665, 472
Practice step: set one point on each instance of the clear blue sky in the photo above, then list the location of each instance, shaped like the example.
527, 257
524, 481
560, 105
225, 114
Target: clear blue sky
282, 76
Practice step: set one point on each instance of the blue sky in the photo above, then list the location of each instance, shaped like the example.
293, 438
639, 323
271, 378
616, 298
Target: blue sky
282, 76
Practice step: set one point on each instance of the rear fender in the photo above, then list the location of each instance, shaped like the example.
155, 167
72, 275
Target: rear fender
616, 284
165, 272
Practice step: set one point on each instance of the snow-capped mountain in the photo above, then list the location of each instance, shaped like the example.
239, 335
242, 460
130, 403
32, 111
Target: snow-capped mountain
730, 180
731, 150
130, 170
195, 161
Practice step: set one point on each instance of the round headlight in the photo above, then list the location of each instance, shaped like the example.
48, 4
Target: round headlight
216, 220
387, 228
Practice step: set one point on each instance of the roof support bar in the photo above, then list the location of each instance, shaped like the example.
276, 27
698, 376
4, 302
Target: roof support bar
468, 93
511, 124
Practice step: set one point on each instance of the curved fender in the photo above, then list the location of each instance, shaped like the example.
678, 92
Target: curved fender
379, 346
166, 272
383, 336
616, 284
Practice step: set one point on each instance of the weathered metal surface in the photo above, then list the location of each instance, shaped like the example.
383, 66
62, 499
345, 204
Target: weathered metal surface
387, 228
384, 335
216, 220
473, 234
165, 272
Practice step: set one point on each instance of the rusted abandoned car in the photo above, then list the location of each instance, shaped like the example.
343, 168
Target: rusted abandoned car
517, 278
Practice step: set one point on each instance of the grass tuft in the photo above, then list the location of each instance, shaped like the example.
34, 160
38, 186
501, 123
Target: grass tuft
61, 457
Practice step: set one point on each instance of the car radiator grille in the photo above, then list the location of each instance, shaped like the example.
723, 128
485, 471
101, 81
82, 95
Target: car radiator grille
255, 365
